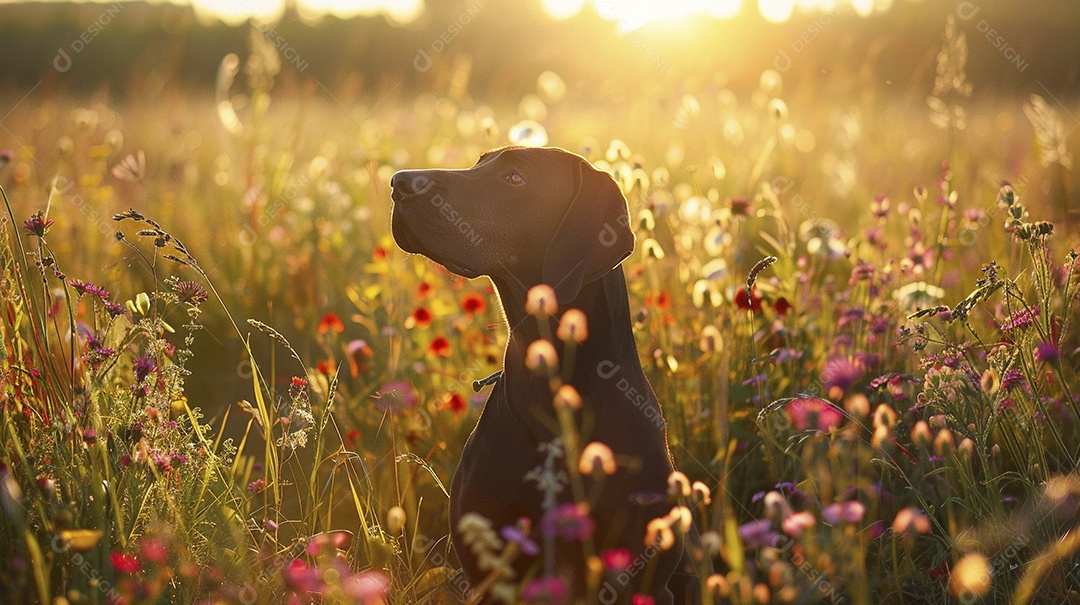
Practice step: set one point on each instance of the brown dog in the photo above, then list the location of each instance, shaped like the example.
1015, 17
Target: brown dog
528, 216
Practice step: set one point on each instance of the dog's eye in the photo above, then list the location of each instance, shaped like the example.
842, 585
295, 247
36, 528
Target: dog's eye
515, 178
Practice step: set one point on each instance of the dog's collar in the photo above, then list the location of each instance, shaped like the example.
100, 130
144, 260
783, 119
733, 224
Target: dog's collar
479, 384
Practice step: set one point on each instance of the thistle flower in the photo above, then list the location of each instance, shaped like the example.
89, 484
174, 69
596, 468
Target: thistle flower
38, 224
812, 413
1047, 352
396, 396
190, 292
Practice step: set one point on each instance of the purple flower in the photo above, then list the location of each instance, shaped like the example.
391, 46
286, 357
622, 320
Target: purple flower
544, 591
143, 367
758, 534
569, 522
114, 309
519, 534
1011, 378
1047, 352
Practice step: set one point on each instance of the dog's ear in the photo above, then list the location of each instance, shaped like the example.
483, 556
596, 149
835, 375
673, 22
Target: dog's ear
593, 237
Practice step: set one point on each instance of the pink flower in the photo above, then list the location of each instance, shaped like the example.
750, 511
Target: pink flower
367, 587
812, 413
795, 523
617, 559
851, 511
544, 591
396, 396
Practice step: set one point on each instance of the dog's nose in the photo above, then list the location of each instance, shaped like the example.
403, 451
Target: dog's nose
410, 182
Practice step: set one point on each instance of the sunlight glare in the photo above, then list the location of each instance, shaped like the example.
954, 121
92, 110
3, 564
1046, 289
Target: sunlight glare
776, 11
632, 14
725, 9
562, 9
402, 11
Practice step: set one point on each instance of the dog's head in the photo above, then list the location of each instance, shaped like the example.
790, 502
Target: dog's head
531, 215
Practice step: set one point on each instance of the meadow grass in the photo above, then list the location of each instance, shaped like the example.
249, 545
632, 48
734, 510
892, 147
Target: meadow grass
861, 337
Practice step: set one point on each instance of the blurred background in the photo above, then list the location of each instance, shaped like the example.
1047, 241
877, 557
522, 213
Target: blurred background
268, 129
142, 49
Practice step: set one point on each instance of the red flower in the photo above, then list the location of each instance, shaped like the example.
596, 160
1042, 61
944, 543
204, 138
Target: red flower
331, 323
473, 303
351, 437
324, 367
420, 318
642, 599
453, 402
424, 290
782, 305
378, 254
661, 300
440, 346
745, 302
124, 563
299, 382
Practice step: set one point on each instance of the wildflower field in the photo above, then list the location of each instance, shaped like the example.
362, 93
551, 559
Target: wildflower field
223, 382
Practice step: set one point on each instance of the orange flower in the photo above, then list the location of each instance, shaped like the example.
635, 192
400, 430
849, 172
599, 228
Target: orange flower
440, 346
378, 254
473, 303
420, 318
331, 323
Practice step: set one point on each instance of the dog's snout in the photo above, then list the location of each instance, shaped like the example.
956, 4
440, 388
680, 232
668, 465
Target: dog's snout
410, 182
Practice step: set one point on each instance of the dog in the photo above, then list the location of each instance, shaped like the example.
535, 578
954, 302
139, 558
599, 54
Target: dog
529, 216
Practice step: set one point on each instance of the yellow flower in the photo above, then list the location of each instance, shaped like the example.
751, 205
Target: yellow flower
658, 533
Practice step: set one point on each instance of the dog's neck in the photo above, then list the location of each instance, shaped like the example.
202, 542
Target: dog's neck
610, 341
